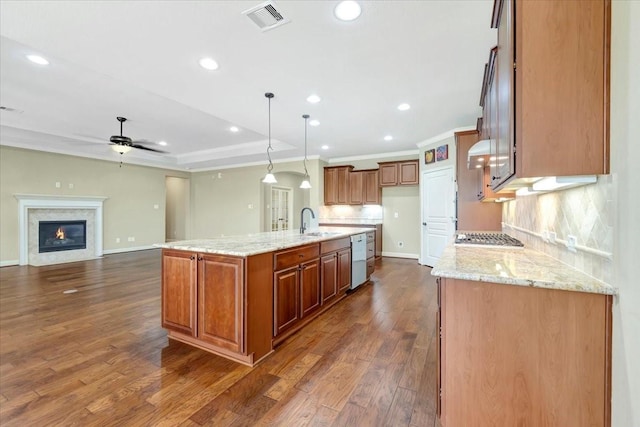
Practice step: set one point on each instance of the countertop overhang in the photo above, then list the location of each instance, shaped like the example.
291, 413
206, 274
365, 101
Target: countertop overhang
257, 243
515, 266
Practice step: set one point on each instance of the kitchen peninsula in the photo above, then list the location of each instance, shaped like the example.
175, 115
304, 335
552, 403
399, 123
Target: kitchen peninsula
523, 338
240, 296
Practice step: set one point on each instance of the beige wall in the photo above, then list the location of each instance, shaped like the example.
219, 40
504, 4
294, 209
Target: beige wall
177, 208
625, 152
451, 160
301, 197
221, 199
132, 192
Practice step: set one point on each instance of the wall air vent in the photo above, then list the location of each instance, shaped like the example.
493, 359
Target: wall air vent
266, 16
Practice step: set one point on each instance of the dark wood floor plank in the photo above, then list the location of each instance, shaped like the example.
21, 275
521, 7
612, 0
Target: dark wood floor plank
99, 357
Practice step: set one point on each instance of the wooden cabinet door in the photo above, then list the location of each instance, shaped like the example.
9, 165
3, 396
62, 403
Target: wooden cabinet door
502, 94
179, 291
221, 301
286, 300
388, 174
328, 277
309, 287
342, 176
408, 173
344, 270
330, 186
356, 191
372, 190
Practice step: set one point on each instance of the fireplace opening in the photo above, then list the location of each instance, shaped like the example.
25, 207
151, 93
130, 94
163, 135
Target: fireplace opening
62, 235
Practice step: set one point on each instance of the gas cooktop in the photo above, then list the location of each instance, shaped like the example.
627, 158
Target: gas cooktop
499, 240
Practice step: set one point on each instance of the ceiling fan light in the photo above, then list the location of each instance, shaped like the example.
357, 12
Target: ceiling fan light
269, 179
121, 148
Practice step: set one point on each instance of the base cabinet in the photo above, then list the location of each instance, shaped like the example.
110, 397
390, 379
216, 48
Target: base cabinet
220, 301
515, 355
286, 291
179, 291
207, 302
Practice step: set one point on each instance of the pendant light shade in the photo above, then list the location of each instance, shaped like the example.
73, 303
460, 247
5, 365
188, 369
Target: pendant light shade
269, 178
305, 182
120, 148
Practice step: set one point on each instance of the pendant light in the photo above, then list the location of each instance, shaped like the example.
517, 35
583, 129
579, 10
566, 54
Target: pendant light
305, 182
269, 178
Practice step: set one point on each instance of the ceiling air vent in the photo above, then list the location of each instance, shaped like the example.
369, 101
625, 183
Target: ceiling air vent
266, 16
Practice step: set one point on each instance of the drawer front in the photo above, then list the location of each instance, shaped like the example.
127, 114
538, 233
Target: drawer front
335, 245
294, 256
371, 236
371, 250
371, 266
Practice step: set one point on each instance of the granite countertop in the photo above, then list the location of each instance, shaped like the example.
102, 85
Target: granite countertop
512, 266
257, 243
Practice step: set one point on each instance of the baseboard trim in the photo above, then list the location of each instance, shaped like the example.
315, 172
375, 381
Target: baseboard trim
400, 255
134, 249
9, 263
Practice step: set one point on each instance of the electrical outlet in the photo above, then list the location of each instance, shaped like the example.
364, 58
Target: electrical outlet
400, 244
58, 184
117, 240
571, 243
250, 206
131, 239
156, 206
552, 237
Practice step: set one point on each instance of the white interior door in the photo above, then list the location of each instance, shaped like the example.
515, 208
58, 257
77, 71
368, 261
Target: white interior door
438, 213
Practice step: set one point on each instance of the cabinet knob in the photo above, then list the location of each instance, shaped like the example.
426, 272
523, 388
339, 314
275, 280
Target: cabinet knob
200, 258
424, 223
300, 256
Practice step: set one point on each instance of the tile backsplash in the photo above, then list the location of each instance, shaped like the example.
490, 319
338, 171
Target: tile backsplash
584, 212
347, 213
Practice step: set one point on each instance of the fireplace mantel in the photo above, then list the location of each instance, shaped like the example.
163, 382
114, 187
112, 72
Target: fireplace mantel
46, 201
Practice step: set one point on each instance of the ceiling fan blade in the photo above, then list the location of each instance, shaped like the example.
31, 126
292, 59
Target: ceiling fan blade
142, 147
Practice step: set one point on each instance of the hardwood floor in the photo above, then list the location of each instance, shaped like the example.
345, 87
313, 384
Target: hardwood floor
100, 357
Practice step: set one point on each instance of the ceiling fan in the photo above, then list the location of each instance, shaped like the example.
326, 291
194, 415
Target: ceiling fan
123, 144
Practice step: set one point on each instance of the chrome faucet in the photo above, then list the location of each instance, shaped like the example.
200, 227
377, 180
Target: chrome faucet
303, 226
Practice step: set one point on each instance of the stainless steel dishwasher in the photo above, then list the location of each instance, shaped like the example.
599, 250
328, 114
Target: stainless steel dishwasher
358, 259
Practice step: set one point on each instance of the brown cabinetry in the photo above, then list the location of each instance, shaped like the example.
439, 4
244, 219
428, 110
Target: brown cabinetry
372, 191
206, 302
515, 355
335, 268
336, 185
356, 188
371, 252
399, 173
179, 291
344, 186
552, 77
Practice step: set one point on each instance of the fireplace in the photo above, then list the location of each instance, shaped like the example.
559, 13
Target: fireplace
62, 235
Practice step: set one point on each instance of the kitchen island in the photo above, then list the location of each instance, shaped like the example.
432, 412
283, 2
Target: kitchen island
523, 340
240, 296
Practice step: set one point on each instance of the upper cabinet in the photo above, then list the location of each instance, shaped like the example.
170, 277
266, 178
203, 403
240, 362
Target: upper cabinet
336, 185
399, 173
550, 116
344, 186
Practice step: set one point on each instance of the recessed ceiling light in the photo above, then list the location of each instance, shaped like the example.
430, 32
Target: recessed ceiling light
208, 64
388, 138
314, 99
163, 143
36, 59
404, 107
347, 10
325, 147
234, 129
314, 122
